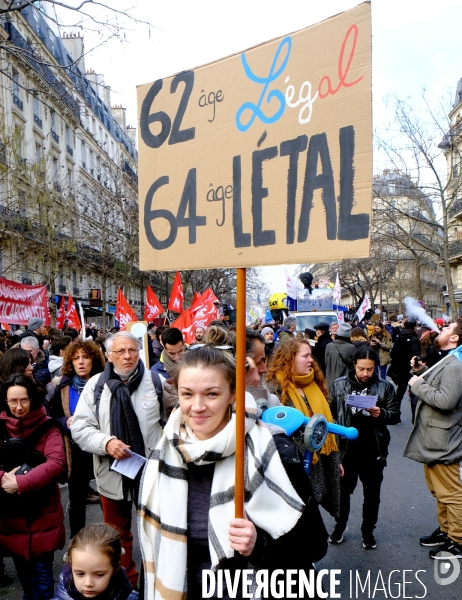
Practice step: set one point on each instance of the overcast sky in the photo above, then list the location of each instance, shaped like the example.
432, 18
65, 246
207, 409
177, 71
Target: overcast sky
416, 45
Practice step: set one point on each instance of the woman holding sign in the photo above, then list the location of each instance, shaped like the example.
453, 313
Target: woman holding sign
362, 400
188, 532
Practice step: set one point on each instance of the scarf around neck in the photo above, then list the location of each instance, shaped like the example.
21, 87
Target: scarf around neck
78, 383
169, 364
124, 422
315, 403
119, 587
271, 502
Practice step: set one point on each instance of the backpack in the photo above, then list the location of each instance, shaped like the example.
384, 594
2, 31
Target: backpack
156, 381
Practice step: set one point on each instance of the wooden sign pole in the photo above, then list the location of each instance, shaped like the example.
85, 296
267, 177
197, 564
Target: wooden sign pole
240, 393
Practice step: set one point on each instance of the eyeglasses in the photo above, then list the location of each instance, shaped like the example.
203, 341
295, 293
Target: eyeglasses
131, 351
22, 402
226, 348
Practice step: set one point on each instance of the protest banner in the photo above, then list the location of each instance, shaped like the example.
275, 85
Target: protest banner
20, 302
264, 156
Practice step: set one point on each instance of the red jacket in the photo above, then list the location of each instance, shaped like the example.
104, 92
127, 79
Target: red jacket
45, 532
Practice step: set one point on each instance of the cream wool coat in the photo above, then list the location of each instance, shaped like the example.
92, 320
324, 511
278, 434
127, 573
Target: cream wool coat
93, 434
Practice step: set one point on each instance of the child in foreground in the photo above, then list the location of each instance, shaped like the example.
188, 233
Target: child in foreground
93, 567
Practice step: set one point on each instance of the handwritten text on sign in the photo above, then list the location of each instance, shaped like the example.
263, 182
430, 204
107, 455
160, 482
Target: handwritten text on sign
264, 157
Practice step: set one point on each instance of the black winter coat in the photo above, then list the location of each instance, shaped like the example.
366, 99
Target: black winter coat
319, 351
386, 401
405, 347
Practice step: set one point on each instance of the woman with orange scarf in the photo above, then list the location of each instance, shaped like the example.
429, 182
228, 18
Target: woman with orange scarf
295, 377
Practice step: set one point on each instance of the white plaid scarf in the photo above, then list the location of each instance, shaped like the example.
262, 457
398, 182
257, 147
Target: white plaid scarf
271, 502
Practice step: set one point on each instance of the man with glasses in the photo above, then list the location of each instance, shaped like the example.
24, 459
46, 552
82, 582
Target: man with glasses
174, 348
118, 410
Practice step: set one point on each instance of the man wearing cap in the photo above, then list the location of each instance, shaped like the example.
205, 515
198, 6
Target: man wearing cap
268, 334
35, 328
439, 323
324, 338
339, 354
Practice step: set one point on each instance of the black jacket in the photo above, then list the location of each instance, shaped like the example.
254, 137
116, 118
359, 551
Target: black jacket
405, 347
372, 428
319, 351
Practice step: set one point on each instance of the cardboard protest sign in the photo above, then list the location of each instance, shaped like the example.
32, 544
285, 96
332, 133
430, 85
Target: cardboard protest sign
261, 158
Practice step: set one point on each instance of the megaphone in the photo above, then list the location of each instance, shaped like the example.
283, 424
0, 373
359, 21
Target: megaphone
316, 431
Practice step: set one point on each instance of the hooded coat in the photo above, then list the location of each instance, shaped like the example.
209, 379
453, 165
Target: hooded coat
42, 530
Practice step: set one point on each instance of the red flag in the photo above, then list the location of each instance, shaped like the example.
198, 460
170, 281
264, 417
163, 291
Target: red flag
5, 326
175, 304
201, 313
124, 313
153, 307
71, 315
184, 324
195, 298
61, 314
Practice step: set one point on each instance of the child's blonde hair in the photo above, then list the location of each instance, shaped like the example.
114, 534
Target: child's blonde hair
100, 537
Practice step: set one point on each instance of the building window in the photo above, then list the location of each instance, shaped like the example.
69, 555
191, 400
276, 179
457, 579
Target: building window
84, 155
17, 89
52, 42
22, 203
90, 163
54, 126
55, 171
38, 151
37, 111
69, 148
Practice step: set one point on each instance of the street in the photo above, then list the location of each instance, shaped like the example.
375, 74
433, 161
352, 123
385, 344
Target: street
407, 512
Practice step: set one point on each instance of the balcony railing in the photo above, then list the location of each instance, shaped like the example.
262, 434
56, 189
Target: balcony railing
455, 248
57, 186
76, 291
84, 164
55, 136
455, 208
62, 288
126, 168
17, 100
38, 120
69, 150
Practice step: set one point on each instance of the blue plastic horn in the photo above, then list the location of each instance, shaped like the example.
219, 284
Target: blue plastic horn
317, 428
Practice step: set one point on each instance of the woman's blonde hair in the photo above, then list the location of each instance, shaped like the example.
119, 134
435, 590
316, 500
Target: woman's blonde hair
218, 336
283, 361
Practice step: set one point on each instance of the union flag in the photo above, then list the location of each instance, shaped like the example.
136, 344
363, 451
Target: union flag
175, 304
124, 313
153, 307
71, 315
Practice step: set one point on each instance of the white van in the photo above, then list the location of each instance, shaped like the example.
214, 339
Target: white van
308, 320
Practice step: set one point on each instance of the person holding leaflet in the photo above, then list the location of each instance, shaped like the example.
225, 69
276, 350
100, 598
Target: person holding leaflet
364, 457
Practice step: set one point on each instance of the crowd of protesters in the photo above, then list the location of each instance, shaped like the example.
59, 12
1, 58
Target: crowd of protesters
74, 404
